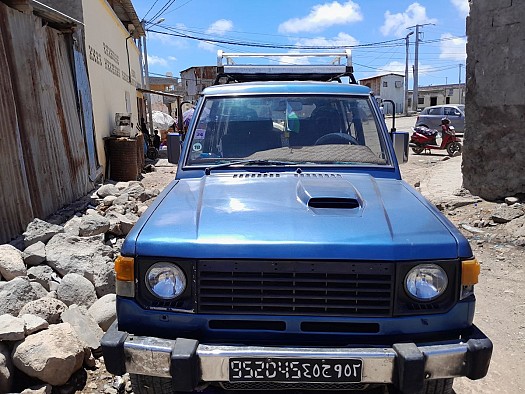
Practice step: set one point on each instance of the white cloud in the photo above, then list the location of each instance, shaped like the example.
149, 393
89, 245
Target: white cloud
172, 58
167, 39
462, 6
396, 24
394, 67
157, 60
322, 16
220, 27
453, 48
342, 39
217, 28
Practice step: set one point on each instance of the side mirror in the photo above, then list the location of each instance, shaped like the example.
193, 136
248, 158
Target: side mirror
400, 143
173, 148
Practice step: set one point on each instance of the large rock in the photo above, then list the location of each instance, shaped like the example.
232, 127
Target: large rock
84, 325
6, 369
104, 311
15, 294
42, 274
108, 190
504, 213
72, 226
75, 289
11, 328
35, 254
52, 355
86, 256
40, 230
11, 262
121, 224
39, 289
49, 309
134, 190
40, 389
34, 323
93, 225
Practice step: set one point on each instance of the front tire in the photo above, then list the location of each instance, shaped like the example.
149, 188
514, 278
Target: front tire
143, 384
435, 386
152, 153
417, 149
454, 149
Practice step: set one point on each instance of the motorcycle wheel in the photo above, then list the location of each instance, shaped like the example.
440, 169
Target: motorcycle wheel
454, 149
417, 149
152, 153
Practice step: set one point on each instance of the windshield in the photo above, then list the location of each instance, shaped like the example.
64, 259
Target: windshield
324, 130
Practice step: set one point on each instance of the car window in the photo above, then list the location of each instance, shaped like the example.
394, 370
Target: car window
452, 111
434, 111
299, 129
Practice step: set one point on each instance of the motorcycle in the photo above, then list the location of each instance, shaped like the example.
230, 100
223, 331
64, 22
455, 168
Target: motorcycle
425, 139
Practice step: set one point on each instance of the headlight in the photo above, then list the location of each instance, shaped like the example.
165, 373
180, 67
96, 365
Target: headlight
426, 282
165, 280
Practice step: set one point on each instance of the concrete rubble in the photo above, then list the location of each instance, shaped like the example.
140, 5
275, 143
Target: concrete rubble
57, 288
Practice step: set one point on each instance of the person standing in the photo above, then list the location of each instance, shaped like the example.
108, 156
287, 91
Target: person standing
156, 139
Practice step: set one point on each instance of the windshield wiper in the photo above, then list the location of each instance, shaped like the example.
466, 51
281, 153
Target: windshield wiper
208, 170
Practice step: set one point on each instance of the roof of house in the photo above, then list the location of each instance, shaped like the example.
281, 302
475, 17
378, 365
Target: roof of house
163, 80
381, 75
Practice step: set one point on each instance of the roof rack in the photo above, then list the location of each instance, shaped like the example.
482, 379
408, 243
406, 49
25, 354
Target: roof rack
339, 66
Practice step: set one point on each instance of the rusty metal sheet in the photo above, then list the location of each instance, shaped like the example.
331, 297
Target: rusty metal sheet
15, 209
51, 168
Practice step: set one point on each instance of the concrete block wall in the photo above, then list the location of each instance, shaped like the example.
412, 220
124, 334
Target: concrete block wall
494, 147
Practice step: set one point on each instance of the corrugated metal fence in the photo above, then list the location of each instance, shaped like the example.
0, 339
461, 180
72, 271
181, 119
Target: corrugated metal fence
43, 159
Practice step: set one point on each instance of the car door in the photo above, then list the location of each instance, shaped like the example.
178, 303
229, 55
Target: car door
434, 117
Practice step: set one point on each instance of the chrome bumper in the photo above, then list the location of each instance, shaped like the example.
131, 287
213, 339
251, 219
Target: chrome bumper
402, 364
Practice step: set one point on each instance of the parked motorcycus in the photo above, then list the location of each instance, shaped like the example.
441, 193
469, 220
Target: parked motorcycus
424, 139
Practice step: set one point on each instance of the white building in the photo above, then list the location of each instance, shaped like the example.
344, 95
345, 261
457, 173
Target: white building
387, 87
438, 95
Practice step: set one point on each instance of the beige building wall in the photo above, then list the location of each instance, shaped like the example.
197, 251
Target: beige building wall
107, 60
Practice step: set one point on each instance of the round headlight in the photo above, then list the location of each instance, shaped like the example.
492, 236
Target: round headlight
426, 282
165, 280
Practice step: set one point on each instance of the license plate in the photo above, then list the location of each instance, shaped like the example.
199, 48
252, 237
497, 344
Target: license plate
295, 370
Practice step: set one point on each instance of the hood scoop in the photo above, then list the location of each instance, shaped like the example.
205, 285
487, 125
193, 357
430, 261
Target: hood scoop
328, 194
333, 203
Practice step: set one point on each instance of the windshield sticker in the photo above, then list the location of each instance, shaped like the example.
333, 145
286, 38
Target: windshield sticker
200, 134
197, 147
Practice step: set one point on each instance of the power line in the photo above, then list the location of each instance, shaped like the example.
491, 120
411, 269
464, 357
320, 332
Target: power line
163, 9
150, 9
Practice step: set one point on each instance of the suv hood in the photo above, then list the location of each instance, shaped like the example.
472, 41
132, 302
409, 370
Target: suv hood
295, 216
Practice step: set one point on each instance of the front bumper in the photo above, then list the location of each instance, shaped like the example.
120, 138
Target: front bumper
189, 364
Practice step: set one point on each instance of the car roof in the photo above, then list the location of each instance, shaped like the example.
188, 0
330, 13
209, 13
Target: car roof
444, 105
286, 87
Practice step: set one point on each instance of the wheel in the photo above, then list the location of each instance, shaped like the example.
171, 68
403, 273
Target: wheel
454, 148
417, 149
336, 138
152, 153
438, 386
435, 386
143, 384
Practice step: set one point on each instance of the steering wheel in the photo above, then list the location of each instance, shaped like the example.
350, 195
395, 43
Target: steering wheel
336, 138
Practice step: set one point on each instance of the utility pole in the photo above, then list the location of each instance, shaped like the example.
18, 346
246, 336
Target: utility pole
459, 84
405, 102
146, 73
415, 93
146, 81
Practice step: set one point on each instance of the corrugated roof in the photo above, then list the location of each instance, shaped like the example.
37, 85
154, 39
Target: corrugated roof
126, 13
54, 16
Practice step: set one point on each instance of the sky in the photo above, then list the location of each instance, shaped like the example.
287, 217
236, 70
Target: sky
178, 30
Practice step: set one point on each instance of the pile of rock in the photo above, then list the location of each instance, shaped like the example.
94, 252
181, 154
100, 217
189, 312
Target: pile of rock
57, 287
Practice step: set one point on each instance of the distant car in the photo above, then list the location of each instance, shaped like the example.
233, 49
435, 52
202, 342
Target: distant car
431, 116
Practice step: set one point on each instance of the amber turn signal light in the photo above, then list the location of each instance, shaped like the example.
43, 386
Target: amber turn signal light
124, 268
469, 272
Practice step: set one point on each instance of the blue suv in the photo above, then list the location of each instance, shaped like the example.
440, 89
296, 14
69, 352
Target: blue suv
288, 253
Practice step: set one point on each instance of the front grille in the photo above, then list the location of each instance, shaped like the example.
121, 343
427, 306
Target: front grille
295, 288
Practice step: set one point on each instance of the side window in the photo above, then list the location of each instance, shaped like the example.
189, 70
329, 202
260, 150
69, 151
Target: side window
451, 111
385, 84
434, 111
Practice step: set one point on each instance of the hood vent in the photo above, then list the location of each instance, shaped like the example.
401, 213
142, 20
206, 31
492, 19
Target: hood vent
333, 203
